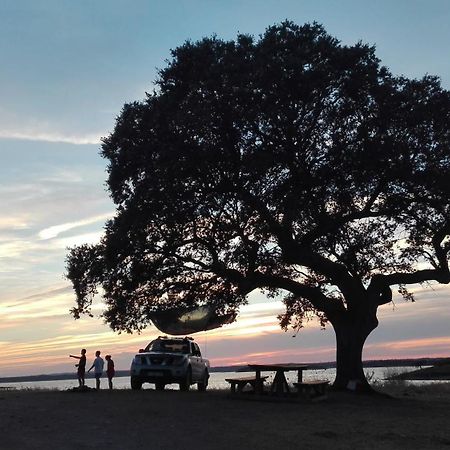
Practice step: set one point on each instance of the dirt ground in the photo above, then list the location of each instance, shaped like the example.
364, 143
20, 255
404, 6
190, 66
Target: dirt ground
172, 420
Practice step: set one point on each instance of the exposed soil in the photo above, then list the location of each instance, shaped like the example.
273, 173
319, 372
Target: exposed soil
173, 420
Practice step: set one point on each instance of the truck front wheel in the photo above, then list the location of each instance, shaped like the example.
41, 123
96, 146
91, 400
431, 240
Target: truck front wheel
186, 383
136, 383
202, 385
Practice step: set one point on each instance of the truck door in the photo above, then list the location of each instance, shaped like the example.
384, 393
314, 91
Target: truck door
196, 362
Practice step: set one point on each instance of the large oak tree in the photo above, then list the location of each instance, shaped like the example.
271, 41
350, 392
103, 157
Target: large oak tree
289, 163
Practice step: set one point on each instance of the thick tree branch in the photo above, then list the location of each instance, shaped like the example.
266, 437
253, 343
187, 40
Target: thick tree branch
317, 298
441, 252
294, 253
260, 280
380, 283
439, 275
333, 223
351, 288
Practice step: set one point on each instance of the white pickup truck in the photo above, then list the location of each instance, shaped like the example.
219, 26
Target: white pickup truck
169, 360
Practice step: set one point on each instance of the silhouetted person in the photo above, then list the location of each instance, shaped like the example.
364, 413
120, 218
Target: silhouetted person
81, 366
110, 372
97, 365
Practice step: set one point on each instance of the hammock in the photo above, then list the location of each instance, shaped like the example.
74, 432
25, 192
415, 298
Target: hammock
201, 318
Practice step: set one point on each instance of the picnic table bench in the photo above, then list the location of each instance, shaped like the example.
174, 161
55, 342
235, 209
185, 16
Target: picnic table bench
312, 389
279, 384
255, 382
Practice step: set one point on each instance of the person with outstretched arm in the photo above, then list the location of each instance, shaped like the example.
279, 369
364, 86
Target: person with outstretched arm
81, 366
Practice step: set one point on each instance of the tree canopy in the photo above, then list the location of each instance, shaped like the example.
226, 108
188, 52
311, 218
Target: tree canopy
290, 163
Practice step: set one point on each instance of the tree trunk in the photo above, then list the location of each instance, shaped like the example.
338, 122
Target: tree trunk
351, 334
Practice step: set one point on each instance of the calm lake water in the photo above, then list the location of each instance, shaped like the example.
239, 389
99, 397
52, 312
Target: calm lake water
217, 379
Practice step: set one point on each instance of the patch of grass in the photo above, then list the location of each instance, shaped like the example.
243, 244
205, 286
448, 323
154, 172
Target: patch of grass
404, 388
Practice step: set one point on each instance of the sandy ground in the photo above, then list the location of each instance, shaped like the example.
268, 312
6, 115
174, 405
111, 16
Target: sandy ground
173, 420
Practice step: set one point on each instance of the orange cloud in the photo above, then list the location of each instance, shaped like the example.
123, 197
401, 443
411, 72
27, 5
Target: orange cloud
430, 347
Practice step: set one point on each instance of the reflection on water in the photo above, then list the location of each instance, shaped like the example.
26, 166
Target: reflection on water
217, 379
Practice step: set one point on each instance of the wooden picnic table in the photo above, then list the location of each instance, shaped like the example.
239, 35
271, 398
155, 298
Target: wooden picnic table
279, 385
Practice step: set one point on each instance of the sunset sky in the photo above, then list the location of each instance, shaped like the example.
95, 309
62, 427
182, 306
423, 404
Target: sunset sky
67, 67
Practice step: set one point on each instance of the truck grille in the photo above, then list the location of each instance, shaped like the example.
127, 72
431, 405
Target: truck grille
159, 360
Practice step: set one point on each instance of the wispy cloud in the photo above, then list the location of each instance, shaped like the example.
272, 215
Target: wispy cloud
33, 297
409, 348
55, 230
52, 303
14, 249
316, 354
31, 135
418, 345
50, 354
14, 223
73, 241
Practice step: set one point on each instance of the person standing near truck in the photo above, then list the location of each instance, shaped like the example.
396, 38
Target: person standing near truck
97, 365
110, 371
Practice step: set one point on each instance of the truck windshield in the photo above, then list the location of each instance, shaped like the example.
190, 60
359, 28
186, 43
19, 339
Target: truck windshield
168, 345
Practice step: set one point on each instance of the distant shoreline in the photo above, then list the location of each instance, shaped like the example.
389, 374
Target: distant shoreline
314, 366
